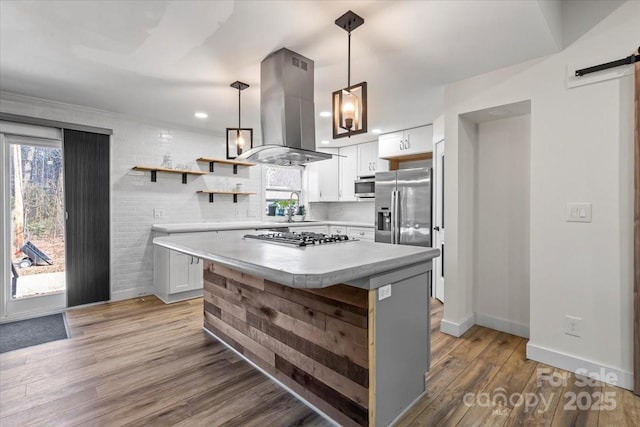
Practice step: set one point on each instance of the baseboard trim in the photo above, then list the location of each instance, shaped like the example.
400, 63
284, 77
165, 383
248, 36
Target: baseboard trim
572, 363
457, 329
130, 293
272, 378
182, 296
502, 325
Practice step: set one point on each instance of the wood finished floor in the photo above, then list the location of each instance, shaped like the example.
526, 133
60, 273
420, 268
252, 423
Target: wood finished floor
141, 362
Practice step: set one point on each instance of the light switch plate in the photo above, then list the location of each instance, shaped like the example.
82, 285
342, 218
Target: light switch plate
158, 213
384, 292
578, 212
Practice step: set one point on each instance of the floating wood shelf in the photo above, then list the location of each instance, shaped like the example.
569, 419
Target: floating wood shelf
155, 170
234, 193
235, 163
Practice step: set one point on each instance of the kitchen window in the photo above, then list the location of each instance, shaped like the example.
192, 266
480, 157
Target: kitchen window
280, 182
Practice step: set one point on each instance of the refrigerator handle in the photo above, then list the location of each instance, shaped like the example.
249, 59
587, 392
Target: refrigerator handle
395, 217
394, 214
398, 217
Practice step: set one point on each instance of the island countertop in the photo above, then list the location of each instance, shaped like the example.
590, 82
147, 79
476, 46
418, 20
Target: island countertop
301, 267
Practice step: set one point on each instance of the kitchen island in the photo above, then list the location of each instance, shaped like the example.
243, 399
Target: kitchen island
345, 326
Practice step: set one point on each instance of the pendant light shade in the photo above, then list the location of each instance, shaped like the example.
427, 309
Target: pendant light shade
239, 139
349, 103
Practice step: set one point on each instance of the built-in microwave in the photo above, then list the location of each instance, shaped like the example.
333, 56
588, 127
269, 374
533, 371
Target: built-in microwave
365, 187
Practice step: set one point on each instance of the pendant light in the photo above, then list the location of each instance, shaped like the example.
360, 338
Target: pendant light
350, 103
238, 139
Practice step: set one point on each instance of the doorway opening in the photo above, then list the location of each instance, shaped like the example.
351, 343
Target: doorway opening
496, 144
34, 223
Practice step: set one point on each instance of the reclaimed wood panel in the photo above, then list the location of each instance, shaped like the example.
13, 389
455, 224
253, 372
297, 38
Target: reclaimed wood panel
314, 341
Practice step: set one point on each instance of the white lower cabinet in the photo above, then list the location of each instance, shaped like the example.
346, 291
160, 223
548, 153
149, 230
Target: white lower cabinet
310, 229
362, 233
185, 272
337, 229
176, 276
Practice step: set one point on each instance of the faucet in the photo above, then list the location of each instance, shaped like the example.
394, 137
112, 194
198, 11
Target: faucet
291, 206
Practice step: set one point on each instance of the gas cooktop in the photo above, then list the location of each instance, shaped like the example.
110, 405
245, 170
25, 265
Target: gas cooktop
301, 239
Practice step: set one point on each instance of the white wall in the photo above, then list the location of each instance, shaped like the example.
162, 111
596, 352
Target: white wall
362, 211
133, 196
501, 293
581, 151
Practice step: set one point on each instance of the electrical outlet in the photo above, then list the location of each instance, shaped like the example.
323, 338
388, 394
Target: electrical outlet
384, 292
573, 326
158, 213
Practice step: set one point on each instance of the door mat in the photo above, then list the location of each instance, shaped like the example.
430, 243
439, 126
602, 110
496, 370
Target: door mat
25, 333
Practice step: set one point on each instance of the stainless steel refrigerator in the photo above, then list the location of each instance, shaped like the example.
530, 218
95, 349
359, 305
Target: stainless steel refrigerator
403, 207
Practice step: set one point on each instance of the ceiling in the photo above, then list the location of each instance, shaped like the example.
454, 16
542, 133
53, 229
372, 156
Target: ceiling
165, 60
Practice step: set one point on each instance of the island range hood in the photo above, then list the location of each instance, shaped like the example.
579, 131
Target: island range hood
286, 111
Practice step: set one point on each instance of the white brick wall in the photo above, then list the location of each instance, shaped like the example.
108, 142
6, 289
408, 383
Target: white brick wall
133, 196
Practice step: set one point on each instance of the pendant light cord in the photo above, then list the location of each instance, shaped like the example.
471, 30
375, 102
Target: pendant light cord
239, 92
349, 62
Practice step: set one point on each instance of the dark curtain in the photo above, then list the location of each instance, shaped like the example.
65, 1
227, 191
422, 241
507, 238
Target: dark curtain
86, 169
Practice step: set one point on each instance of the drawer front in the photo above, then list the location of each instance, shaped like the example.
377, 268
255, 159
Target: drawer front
310, 229
337, 229
362, 233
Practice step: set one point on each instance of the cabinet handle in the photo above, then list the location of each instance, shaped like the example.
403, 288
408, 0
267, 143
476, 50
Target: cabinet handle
401, 145
406, 144
373, 165
362, 233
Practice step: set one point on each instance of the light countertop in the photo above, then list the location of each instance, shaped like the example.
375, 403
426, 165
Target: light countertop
246, 225
300, 267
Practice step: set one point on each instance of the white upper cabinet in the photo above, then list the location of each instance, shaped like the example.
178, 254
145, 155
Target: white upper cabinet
323, 178
348, 172
406, 143
368, 161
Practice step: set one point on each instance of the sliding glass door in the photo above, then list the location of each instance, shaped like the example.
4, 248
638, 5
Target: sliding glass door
34, 225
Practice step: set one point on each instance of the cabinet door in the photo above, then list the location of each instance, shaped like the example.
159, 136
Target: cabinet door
179, 272
310, 181
418, 140
367, 154
311, 229
391, 145
328, 176
380, 165
362, 233
348, 172
337, 229
196, 278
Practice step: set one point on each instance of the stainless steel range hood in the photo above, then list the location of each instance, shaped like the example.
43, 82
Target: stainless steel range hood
287, 111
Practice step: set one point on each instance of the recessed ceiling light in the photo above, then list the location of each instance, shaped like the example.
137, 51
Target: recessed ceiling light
376, 130
201, 115
324, 141
325, 114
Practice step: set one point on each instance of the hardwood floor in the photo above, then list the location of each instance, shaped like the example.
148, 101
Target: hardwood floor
141, 362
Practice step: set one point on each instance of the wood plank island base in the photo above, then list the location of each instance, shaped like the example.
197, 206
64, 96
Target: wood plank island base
344, 327
318, 343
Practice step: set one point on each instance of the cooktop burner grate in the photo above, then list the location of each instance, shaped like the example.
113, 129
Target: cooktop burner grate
301, 238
